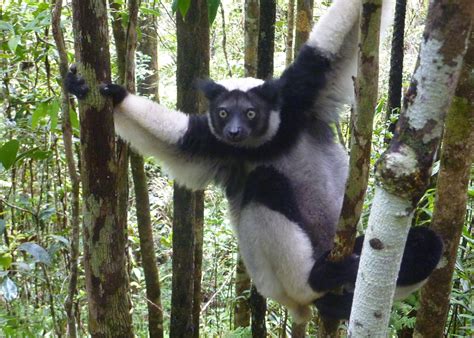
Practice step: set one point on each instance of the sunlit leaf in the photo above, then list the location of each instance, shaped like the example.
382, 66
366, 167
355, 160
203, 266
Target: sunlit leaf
53, 111
182, 6
13, 43
8, 153
5, 261
38, 252
8, 289
212, 7
40, 112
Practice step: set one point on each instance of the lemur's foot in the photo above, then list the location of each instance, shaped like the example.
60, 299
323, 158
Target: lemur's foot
116, 92
75, 83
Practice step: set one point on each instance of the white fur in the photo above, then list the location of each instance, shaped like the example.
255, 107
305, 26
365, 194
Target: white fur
155, 130
278, 257
332, 28
244, 84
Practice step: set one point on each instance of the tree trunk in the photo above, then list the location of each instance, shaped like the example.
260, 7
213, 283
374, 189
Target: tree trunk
252, 17
266, 38
148, 87
404, 169
198, 244
242, 279
396, 66
71, 164
104, 237
266, 47
450, 205
258, 306
303, 22
290, 35
193, 39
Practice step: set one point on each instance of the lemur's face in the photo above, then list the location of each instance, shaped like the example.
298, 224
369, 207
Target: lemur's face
245, 118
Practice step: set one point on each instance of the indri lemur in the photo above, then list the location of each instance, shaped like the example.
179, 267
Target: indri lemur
269, 144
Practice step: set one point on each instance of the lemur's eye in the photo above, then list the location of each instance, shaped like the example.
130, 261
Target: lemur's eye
222, 113
251, 114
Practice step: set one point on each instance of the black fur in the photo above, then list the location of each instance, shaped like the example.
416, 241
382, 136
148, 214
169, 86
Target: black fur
76, 84
327, 275
116, 92
422, 253
336, 306
269, 187
210, 88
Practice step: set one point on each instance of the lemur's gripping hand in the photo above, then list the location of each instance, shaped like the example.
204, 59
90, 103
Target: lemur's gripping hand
75, 84
116, 92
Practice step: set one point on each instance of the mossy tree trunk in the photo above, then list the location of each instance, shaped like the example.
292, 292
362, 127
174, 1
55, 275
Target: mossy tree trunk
148, 87
193, 39
72, 170
104, 236
303, 22
266, 38
450, 205
404, 169
366, 89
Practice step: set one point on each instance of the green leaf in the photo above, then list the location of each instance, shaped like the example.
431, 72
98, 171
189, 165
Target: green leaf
74, 119
8, 153
212, 7
182, 5
40, 112
38, 252
8, 289
13, 43
6, 26
53, 113
5, 261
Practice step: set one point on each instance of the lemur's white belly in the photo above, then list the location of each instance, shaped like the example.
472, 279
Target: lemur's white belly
278, 255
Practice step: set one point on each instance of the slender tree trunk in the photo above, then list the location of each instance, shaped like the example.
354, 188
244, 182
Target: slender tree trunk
71, 164
303, 22
104, 236
266, 38
148, 87
450, 205
266, 47
242, 279
290, 35
258, 306
404, 169
252, 18
396, 66
193, 39
198, 244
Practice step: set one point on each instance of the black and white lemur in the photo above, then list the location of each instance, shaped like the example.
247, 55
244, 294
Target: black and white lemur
269, 144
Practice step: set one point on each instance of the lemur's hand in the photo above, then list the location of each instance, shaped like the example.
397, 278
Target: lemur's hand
76, 84
116, 92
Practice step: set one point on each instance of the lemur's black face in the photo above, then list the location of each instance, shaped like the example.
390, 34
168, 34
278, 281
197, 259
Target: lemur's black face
240, 118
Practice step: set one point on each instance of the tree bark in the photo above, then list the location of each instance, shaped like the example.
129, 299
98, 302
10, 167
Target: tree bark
252, 18
242, 288
198, 244
148, 87
104, 236
290, 35
303, 22
193, 39
266, 38
71, 164
404, 169
396, 66
450, 205
258, 306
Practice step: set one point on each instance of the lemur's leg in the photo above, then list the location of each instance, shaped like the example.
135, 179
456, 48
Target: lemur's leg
155, 130
275, 247
335, 306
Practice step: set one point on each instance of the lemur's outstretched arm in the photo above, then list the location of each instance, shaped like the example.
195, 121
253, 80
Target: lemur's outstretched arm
153, 130
321, 77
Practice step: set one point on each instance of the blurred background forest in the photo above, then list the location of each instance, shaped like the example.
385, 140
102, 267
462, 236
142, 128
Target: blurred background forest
36, 202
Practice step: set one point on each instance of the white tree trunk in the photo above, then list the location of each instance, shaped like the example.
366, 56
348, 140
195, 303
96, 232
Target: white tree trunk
403, 171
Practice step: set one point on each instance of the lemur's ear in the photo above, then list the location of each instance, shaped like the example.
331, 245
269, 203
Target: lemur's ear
210, 88
268, 91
